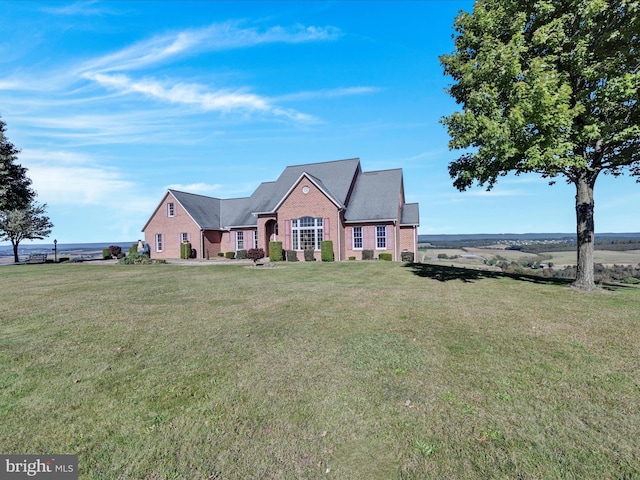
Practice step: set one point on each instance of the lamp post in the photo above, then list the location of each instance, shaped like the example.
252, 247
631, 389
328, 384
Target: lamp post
55, 251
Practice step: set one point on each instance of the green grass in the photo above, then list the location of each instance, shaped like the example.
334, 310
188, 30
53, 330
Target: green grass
354, 370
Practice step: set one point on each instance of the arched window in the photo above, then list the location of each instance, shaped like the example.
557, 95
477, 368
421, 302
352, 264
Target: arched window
306, 233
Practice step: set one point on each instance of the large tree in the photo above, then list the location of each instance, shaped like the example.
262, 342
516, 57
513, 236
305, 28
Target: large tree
15, 186
28, 223
548, 87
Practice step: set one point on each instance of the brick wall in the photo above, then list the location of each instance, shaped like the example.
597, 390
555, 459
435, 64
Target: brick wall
171, 229
313, 204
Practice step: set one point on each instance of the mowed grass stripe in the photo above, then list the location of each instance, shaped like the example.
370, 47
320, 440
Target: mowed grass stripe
340, 370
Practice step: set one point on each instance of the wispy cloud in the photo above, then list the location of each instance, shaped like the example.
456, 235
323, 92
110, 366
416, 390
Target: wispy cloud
81, 8
66, 178
329, 93
196, 95
200, 188
223, 36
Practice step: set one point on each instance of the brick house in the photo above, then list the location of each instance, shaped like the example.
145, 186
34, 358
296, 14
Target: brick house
307, 204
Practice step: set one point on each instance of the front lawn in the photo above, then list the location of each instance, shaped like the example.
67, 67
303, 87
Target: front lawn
358, 370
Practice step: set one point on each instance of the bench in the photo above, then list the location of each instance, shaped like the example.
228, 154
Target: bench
36, 258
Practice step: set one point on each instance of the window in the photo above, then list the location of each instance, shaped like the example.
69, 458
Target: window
306, 233
357, 238
381, 237
159, 242
184, 237
239, 240
171, 211
255, 239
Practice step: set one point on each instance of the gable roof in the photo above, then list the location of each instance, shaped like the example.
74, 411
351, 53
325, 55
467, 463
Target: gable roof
376, 196
334, 178
205, 211
364, 196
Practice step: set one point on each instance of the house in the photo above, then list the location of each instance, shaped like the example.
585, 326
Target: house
309, 203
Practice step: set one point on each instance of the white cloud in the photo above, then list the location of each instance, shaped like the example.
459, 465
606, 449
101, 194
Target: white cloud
221, 36
84, 8
192, 94
66, 178
329, 93
200, 188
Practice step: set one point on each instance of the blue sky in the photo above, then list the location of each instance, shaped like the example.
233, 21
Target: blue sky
111, 103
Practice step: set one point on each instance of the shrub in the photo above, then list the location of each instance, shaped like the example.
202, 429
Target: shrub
326, 251
140, 259
185, 250
386, 257
292, 256
276, 254
367, 254
352, 258
115, 250
407, 257
255, 254
241, 254
309, 255
106, 254
133, 248
230, 255
221, 254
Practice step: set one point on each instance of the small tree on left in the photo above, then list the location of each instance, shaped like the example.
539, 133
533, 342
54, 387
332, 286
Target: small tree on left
29, 223
21, 218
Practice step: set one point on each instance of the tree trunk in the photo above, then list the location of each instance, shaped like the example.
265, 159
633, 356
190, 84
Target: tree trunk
586, 232
15, 252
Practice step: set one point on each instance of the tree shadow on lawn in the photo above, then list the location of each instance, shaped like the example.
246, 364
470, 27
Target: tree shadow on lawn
445, 274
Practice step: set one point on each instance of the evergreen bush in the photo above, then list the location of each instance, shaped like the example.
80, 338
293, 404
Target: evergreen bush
230, 255
105, 254
407, 257
276, 254
292, 256
367, 254
309, 255
326, 251
386, 257
185, 250
241, 254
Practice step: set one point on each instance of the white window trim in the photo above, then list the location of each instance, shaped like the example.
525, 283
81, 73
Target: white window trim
171, 209
386, 240
159, 242
318, 229
239, 238
353, 238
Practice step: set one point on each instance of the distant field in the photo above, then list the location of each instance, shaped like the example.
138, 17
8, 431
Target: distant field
559, 259
353, 370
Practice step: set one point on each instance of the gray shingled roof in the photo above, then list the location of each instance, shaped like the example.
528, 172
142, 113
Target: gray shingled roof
205, 211
376, 196
410, 214
335, 178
